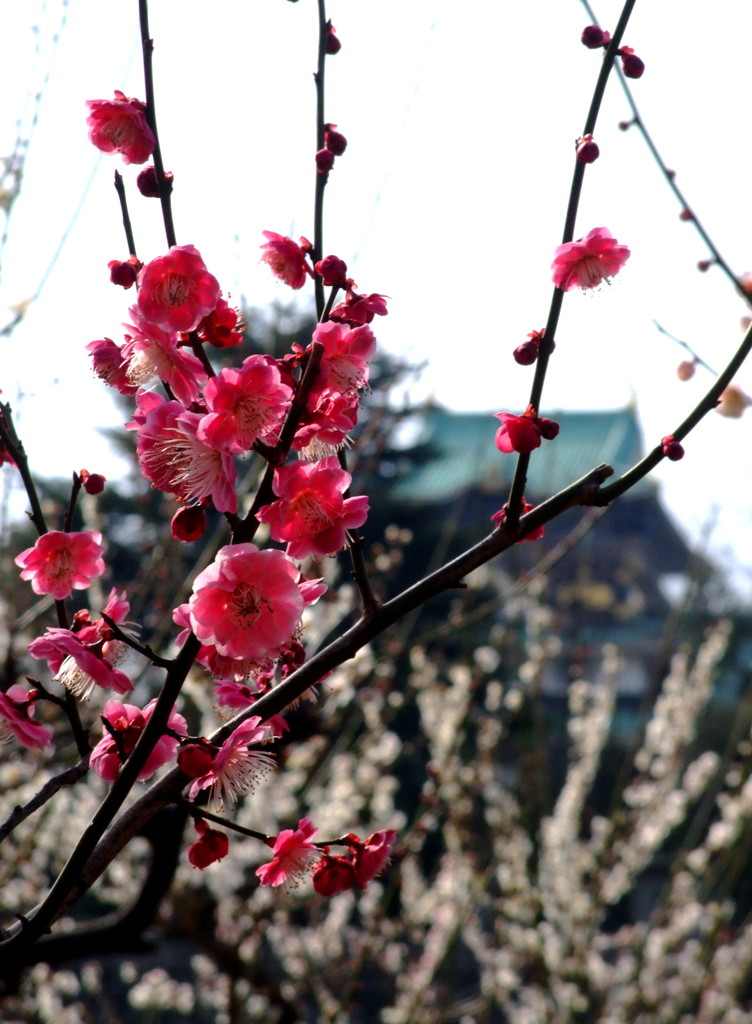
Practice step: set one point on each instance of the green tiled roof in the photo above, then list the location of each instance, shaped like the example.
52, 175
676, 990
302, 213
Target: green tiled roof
465, 455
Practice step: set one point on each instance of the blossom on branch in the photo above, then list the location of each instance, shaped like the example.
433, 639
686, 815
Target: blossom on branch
175, 460
120, 126
126, 723
523, 433
286, 259
588, 261
245, 405
176, 291
344, 363
62, 562
221, 328
312, 514
110, 365
366, 859
235, 769
247, 603
293, 855
86, 655
153, 354
16, 710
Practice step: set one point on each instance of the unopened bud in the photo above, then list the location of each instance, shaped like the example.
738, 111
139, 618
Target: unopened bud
146, 182
587, 150
92, 483
333, 270
686, 369
526, 353
324, 161
732, 402
334, 141
195, 759
333, 44
671, 448
548, 428
124, 272
593, 36
631, 64
703, 265
188, 523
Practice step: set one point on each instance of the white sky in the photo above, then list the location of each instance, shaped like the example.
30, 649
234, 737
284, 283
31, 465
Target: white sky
450, 199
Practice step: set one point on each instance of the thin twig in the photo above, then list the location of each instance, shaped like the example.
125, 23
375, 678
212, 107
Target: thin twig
66, 778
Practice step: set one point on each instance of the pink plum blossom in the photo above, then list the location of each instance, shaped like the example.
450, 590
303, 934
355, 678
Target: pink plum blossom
86, 655
523, 433
372, 855
245, 405
153, 354
247, 603
312, 515
62, 562
221, 328
588, 261
326, 423
235, 768
176, 291
293, 855
344, 364
16, 710
175, 460
128, 722
110, 365
286, 259
359, 309
120, 126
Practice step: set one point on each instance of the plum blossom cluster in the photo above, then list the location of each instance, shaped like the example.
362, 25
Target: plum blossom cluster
187, 442
295, 857
86, 655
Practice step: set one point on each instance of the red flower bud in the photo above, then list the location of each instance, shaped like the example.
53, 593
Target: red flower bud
333, 270
147, 185
210, 846
332, 875
92, 483
593, 37
324, 161
631, 64
188, 523
686, 214
526, 353
548, 428
334, 141
703, 265
587, 150
195, 759
333, 44
124, 272
671, 448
